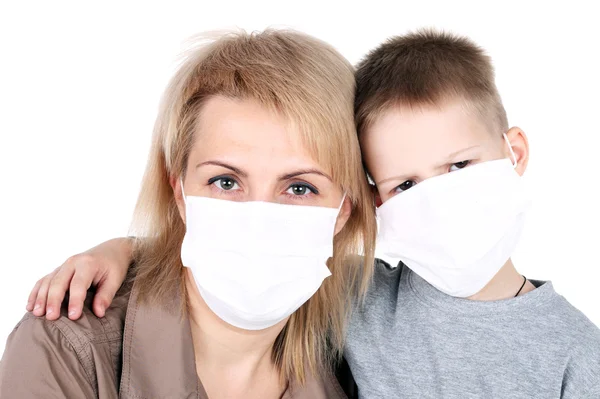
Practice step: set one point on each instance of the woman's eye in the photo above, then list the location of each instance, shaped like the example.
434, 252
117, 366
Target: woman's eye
301, 189
459, 165
225, 183
405, 186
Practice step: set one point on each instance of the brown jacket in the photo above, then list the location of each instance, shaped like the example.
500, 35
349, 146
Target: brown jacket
134, 352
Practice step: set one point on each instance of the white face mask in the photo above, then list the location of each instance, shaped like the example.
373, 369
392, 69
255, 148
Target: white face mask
456, 230
256, 263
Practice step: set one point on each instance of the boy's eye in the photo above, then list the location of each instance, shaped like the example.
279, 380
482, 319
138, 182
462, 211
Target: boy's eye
224, 183
301, 189
405, 186
459, 165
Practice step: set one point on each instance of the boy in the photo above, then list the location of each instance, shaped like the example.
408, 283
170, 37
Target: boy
426, 104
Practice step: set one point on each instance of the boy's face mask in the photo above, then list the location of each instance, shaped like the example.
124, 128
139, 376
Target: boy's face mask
458, 229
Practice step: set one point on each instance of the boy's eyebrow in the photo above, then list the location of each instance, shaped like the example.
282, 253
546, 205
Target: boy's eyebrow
399, 177
452, 156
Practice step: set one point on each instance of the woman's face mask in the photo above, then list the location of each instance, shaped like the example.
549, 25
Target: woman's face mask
260, 215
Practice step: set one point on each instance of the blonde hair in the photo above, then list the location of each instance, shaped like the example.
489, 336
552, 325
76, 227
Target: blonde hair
312, 85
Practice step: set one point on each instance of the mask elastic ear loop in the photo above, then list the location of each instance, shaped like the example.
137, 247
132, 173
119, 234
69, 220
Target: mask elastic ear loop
342, 203
512, 153
338, 210
182, 192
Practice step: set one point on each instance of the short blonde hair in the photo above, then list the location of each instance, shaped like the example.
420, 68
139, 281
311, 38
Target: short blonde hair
312, 85
427, 68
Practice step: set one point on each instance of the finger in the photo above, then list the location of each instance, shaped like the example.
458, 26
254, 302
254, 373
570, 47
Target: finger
80, 284
33, 295
40, 303
57, 289
104, 296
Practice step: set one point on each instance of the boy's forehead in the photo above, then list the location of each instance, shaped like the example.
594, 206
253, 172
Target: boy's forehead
404, 136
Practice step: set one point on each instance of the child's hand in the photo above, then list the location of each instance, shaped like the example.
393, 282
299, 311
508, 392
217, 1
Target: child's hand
104, 266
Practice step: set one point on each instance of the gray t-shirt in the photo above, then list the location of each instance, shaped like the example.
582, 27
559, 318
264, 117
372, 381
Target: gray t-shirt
410, 340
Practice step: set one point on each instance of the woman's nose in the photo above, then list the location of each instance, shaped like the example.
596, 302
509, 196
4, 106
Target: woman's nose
262, 194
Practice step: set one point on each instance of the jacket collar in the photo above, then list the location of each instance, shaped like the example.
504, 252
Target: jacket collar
158, 353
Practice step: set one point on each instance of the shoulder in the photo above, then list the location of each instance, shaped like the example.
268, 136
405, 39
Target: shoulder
570, 324
579, 339
84, 333
63, 357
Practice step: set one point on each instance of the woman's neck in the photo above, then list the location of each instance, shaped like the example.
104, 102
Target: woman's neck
231, 362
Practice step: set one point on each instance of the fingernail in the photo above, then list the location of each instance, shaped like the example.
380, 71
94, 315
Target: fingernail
49, 310
37, 306
71, 312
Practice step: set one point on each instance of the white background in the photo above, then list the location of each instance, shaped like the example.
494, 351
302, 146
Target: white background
80, 83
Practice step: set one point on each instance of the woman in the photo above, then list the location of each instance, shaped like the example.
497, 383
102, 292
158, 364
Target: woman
240, 288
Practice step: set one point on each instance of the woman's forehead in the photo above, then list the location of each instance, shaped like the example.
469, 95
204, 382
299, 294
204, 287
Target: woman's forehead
247, 132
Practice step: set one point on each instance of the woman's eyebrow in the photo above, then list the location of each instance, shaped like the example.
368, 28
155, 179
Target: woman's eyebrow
224, 165
304, 172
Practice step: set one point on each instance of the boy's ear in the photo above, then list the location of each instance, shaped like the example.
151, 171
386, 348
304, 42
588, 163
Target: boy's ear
520, 146
376, 197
